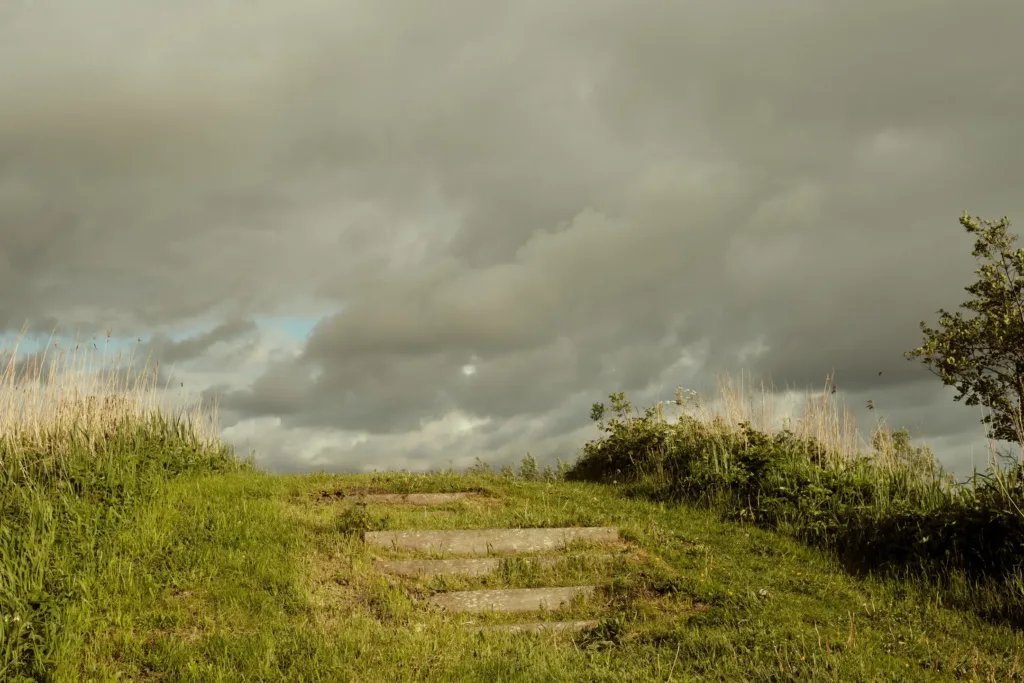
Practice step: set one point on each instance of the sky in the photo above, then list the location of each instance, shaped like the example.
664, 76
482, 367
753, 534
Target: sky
400, 234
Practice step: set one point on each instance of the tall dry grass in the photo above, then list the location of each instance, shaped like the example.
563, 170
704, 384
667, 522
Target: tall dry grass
54, 400
821, 416
824, 416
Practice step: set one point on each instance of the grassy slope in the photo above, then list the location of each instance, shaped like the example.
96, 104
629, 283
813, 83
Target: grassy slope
244, 576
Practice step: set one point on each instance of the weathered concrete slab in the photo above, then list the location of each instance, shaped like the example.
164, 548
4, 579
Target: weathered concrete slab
469, 567
544, 626
509, 600
489, 541
464, 567
426, 568
414, 498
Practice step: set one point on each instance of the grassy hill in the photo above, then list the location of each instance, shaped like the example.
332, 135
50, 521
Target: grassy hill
233, 575
133, 546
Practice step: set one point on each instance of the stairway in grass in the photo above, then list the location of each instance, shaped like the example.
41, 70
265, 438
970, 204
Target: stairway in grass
476, 553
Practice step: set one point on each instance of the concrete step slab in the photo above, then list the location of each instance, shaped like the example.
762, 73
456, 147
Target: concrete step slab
414, 498
471, 567
543, 626
508, 600
489, 541
468, 567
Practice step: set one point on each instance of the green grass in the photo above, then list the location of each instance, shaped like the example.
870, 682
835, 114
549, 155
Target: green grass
243, 576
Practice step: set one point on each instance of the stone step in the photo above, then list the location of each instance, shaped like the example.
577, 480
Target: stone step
508, 600
489, 541
413, 498
428, 568
545, 626
468, 567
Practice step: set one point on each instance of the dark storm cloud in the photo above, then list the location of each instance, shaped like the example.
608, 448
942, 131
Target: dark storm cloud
793, 176
570, 197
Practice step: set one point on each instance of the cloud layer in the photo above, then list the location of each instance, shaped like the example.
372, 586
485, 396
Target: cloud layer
568, 198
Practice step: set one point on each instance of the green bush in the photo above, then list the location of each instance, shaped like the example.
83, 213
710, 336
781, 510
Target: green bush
899, 513
356, 520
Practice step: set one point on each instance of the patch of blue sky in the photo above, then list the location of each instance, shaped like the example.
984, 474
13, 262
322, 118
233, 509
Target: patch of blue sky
297, 327
34, 343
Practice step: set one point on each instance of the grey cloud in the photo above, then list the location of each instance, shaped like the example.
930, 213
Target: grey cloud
572, 196
167, 351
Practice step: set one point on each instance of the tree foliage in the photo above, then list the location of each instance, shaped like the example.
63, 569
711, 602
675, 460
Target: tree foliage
982, 354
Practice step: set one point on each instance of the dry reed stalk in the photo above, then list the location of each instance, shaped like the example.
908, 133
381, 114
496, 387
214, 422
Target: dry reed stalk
824, 418
57, 392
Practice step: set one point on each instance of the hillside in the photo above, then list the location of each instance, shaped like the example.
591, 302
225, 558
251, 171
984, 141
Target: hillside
236, 575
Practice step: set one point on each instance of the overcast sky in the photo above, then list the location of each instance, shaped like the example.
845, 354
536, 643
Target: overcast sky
403, 233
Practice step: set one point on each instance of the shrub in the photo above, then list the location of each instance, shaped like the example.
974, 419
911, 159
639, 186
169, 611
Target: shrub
888, 508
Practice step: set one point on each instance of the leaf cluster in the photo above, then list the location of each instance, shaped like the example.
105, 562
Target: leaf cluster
980, 350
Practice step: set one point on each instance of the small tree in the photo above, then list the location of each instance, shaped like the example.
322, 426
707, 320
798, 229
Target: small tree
983, 355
